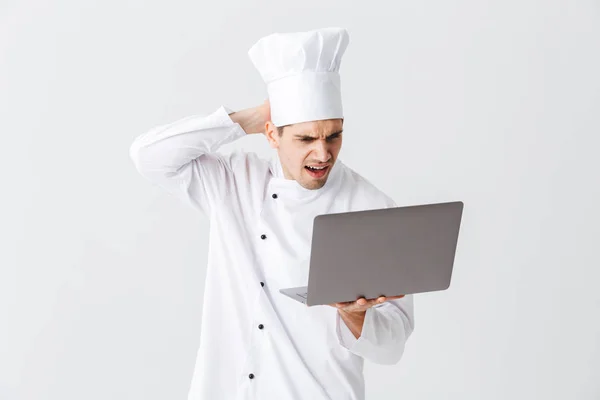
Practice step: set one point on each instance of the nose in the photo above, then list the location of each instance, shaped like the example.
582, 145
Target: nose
321, 151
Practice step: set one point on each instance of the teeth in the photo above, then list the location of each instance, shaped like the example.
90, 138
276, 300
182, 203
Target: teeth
317, 167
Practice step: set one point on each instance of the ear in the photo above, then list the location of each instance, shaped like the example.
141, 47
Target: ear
272, 134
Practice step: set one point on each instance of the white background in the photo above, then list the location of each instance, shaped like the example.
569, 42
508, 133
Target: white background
496, 104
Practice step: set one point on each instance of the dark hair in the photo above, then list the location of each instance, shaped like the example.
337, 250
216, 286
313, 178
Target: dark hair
280, 129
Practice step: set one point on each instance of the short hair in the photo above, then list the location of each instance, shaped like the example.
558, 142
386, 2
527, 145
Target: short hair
280, 129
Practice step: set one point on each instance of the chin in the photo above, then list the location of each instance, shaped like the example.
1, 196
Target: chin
313, 184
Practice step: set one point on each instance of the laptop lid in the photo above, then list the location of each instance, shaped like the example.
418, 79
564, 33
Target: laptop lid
392, 251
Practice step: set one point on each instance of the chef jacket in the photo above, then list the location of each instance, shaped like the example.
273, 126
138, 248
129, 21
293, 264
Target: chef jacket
256, 343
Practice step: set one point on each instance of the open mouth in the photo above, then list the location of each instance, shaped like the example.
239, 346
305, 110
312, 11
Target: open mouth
317, 172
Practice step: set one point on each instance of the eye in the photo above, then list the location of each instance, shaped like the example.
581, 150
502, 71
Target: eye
333, 137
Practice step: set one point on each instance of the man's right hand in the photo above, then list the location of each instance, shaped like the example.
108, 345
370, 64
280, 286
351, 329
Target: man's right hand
253, 120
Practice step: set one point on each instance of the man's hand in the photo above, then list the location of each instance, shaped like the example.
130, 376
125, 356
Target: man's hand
353, 312
253, 120
362, 304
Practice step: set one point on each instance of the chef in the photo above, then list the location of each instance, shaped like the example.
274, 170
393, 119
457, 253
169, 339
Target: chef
256, 343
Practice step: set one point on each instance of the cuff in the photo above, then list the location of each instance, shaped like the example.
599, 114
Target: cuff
222, 116
227, 109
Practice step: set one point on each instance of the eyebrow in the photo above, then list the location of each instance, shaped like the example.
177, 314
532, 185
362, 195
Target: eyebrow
312, 137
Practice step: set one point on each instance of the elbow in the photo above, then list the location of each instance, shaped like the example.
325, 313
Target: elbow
145, 163
135, 152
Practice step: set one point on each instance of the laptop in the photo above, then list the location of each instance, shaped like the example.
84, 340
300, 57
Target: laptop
382, 252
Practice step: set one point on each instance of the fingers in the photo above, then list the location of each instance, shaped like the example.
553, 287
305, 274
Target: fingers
396, 297
342, 305
363, 304
359, 305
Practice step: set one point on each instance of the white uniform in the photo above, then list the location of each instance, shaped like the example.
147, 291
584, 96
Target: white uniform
256, 343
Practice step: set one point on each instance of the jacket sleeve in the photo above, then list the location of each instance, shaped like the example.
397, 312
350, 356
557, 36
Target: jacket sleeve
181, 157
385, 331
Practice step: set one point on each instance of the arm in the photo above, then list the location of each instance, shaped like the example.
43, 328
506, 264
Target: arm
182, 157
378, 333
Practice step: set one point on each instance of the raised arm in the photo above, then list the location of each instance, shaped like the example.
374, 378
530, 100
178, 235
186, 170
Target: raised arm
181, 157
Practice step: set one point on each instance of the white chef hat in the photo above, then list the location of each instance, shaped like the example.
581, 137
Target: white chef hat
301, 70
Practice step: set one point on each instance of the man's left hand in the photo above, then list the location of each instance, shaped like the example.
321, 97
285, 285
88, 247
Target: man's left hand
353, 312
362, 305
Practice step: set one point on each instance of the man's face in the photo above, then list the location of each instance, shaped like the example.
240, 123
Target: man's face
307, 150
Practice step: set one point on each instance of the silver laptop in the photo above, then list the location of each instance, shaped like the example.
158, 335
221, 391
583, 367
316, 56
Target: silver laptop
383, 252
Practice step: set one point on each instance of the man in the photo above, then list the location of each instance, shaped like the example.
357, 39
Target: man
256, 343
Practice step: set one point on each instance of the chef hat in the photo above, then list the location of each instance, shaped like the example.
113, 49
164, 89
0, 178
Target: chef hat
301, 70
